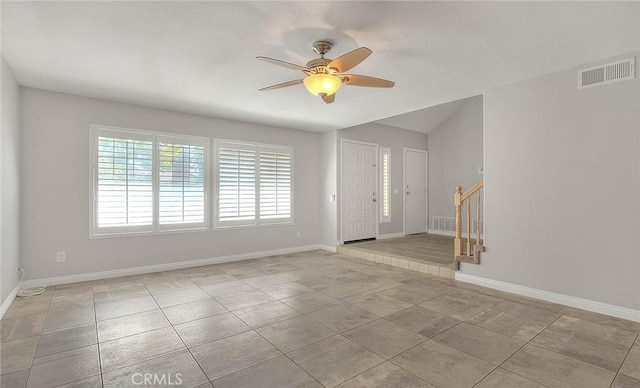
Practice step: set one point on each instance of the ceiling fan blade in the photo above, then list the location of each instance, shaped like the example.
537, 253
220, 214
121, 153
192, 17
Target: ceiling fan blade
282, 85
350, 59
363, 80
329, 99
283, 63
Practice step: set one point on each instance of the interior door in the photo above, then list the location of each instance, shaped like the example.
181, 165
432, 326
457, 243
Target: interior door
359, 191
415, 191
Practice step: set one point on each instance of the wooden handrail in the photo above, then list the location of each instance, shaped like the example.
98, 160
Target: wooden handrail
472, 190
472, 252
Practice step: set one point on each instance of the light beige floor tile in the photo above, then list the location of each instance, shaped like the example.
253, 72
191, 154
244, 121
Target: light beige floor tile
285, 290
207, 280
72, 300
63, 368
342, 317
384, 338
111, 329
508, 324
138, 348
177, 369
227, 288
28, 306
180, 297
586, 347
442, 365
16, 379
501, 378
334, 360
421, 320
210, 329
231, 354
121, 293
386, 375
622, 381
631, 366
604, 332
320, 282
265, 281
556, 370
195, 310
172, 285
62, 319
108, 310
343, 290
380, 305
17, 354
457, 306
310, 302
266, 314
406, 294
482, 343
244, 300
67, 339
528, 312
602, 319
20, 327
91, 382
294, 333
279, 372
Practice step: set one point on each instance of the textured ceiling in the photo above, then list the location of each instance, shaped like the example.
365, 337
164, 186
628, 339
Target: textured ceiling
199, 57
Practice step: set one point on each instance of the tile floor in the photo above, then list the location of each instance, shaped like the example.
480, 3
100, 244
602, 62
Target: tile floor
423, 247
310, 319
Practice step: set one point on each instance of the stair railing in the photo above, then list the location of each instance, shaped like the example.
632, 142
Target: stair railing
463, 200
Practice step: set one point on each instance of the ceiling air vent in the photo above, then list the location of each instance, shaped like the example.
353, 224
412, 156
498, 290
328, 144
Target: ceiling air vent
607, 73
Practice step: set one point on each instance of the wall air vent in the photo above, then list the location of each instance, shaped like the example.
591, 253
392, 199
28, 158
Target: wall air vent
608, 73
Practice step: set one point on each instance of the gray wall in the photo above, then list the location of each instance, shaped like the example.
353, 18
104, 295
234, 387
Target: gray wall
396, 139
562, 171
328, 185
455, 153
9, 184
55, 183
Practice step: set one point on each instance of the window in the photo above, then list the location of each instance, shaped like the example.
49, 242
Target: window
145, 182
385, 182
254, 183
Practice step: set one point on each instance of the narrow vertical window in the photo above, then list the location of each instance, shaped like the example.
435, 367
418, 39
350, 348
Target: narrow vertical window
236, 184
275, 183
181, 183
385, 182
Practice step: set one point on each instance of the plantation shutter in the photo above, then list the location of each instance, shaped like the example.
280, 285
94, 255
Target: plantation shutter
386, 188
181, 183
124, 182
236, 183
275, 184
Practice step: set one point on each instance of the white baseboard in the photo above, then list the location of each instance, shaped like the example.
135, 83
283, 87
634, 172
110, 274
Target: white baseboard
167, 267
571, 301
328, 248
390, 235
7, 302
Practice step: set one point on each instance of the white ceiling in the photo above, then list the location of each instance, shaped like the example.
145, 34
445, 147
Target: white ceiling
199, 57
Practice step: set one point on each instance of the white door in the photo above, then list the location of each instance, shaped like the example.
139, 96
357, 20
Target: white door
359, 193
415, 191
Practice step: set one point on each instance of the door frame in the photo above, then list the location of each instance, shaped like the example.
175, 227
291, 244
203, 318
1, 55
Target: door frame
342, 196
404, 187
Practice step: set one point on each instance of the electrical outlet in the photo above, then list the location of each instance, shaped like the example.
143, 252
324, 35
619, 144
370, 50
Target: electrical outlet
298, 234
61, 257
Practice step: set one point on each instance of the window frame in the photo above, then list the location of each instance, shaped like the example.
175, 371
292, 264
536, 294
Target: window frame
384, 219
96, 232
256, 222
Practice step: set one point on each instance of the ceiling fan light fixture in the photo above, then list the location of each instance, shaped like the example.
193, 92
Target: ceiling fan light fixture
318, 84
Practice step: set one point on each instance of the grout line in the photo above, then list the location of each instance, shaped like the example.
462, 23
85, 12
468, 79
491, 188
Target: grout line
624, 360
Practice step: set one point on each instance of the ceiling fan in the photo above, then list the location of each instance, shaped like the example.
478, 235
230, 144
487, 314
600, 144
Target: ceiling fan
324, 76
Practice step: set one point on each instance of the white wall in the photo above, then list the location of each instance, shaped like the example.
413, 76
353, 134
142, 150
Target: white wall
562, 172
396, 139
55, 183
328, 185
455, 153
9, 184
